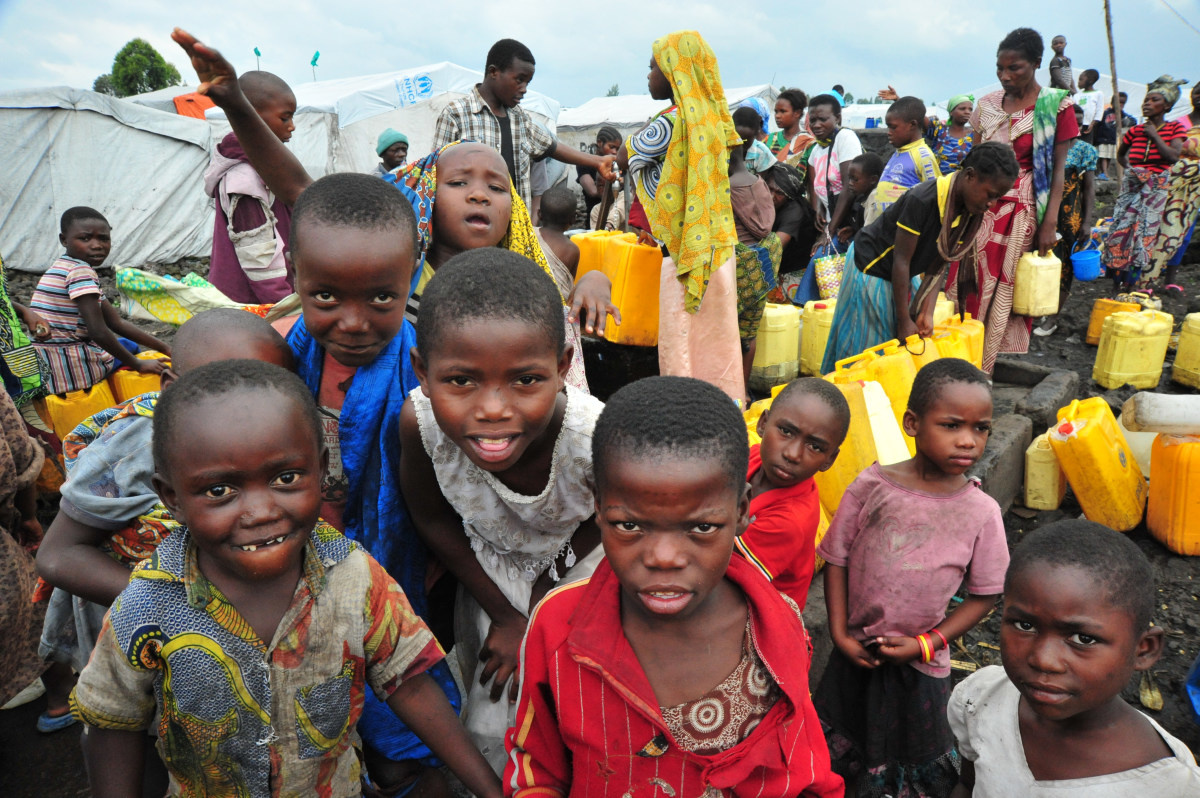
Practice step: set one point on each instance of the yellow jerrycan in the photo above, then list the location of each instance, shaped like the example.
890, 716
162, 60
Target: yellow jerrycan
970, 330
951, 343
1035, 285
1187, 357
777, 352
127, 383
635, 270
923, 351
1133, 347
893, 369
591, 249
857, 452
752, 414
1100, 468
1101, 310
852, 369
943, 309
1173, 516
814, 334
1045, 482
67, 411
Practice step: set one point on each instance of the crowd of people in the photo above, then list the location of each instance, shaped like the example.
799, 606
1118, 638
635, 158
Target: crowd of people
403, 459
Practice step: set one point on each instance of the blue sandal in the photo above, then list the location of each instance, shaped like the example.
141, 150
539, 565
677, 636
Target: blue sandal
48, 724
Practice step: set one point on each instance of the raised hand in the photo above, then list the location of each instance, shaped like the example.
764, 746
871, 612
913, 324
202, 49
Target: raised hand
218, 78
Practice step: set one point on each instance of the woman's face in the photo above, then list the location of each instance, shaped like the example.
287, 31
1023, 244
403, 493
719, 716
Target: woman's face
961, 113
823, 120
786, 115
660, 87
1015, 71
1154, 105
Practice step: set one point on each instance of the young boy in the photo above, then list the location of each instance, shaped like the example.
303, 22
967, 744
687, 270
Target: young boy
801, 434
1091, 100
250, 236
861, 179
618, 693
912, 163
491, 114
558, 216
1060, 66
1107, 136
1078, 602
254, 629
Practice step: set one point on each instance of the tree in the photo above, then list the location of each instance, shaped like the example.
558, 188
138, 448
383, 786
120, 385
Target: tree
613, 90
848, 97
104, 85
139, 68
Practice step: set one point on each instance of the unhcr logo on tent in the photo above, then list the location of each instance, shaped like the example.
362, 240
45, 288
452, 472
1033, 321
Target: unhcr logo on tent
411, 90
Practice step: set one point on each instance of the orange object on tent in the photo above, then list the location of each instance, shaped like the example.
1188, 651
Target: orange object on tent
192, 104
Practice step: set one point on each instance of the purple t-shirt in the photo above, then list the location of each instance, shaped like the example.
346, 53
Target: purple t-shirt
906, 553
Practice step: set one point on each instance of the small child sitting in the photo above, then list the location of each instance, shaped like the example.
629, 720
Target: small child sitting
861, 179
912, 163
250, 236
676, 669
495, 463
217, 633
1078, 602
562, 254
801, 435
906, 538
82, 347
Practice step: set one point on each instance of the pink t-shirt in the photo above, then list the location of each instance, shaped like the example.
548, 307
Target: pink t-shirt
906, 553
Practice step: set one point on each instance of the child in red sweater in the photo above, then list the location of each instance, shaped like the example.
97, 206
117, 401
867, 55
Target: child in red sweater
801, 434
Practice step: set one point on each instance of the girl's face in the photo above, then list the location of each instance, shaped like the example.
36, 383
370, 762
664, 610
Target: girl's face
1154, 105
823, 120
1014, 71
785, 115
978, 193
604, 148
474, 198
952, 432
961, 113
660, 87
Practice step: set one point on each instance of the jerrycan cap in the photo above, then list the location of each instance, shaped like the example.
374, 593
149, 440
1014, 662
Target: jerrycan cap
819, 306
1066, 428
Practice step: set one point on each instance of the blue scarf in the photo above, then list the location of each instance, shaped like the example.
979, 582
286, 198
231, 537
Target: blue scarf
375, 515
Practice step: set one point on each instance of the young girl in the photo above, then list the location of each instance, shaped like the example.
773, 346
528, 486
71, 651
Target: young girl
676, 670
496, 463
1147, 152
82, 347
905, 540
791, 143
930, 226
680, 166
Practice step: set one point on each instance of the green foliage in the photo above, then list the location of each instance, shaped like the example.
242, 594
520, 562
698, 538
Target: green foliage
139, 68
613, 91
104, 85
848, 97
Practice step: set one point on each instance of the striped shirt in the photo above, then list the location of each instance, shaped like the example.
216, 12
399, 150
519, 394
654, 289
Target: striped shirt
73, 360
1144, 152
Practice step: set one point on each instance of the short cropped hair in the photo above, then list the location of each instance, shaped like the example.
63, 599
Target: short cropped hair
933, 377
676, 417
991, 158
240, 326
489, 283
795, 98
1112, 559
504, 52
1025, 41
1094, 73
224, 379
745, 116
826, 99
362, 202
909, 109
80, 213
870, 164
558, 207
824, 390
262, 87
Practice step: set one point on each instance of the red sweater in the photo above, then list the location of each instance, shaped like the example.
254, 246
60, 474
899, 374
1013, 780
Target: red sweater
588, 723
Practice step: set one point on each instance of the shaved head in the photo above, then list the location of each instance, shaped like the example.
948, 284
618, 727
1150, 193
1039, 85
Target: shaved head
261, 88
227, 334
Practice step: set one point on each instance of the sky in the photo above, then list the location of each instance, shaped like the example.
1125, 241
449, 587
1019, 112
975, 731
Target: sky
934, 49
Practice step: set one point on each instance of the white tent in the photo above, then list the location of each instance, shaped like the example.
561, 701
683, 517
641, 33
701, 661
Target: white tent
338, 121
627, 113
856, 115
141, 168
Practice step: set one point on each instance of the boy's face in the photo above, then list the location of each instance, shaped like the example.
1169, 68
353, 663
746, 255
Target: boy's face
394, 155
1058, 44
353, 284
1065, 647
800, 437
474, 198
901, 131
857, 180
668, 526
88, 240
509, 85
494, 386
953, 431
785, 115
277, 112
823, 120
247, 484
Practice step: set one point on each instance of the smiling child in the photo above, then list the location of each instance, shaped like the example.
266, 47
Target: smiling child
906, 538
1078, 601
496, 463
676, 669
255, 628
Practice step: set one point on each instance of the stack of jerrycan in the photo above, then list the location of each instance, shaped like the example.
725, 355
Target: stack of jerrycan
969, 332
943, 309
892, 367
592, 245
1099, 465
1187, 357
1101, 310
777, 352
1173, 515
1133, 347
635, 271
814, 334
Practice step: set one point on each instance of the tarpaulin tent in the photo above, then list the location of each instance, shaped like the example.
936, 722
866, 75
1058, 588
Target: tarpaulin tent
141, 168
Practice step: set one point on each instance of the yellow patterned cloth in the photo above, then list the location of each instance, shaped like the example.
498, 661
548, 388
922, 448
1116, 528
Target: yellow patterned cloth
691, 211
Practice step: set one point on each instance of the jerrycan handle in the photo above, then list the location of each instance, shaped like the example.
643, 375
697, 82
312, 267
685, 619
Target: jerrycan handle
908, 344
878, 349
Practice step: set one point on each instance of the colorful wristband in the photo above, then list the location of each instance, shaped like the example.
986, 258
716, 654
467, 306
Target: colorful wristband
926, 648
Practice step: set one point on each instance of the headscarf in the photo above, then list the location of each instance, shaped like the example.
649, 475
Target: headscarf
387, 138
1168, 87
760, 108
691, 211
958, 100
787, 179
417, 181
